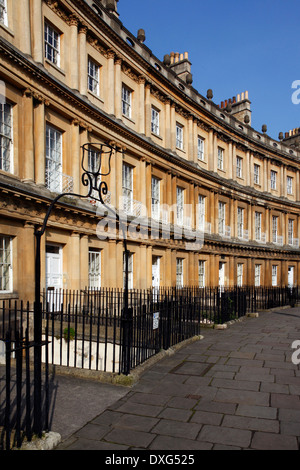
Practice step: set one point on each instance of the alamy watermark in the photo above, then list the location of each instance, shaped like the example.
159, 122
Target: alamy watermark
296, 93
139, 226
296, 354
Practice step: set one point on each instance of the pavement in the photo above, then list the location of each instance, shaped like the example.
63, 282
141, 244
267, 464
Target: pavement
237, 388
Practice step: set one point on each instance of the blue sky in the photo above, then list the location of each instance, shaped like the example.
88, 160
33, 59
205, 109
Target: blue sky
233, 45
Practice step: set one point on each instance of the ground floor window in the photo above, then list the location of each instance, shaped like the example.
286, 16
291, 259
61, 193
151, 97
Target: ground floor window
5, 264
179, 272
274, 276
94, 269
201, 273
130, 270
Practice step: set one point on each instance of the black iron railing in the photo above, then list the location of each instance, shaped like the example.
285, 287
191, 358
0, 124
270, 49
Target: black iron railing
86, 330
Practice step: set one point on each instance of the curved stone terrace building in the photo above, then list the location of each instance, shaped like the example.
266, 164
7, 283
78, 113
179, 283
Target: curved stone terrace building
208, 199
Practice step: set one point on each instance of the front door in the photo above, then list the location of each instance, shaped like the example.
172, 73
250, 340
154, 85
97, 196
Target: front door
155, 275
53, 267
221, 275
291, 276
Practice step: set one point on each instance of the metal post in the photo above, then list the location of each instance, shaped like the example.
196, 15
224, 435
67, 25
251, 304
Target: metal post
37, 426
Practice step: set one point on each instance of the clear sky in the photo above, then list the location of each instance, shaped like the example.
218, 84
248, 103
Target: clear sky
233, 45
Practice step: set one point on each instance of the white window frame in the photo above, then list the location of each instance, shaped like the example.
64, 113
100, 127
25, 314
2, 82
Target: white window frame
179, 272
240, 222
257, 225
3, 12
274, 275
94, 269
52, 40
179, 136
220, 158
201, 273
155, 198
6, 138
274, 229
256, 173
200, 148
127, 187
53, 166
130, 270
93, 77
257, 275
154, 120
240, 272
239, 167
273, 179
126, 101
6, 269
201, 204
179, 205
290, 231
289, 185
221, 217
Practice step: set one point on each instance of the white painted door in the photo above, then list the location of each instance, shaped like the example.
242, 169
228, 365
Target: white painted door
291, 276
155, 272
221, 274
53, 267
155, 275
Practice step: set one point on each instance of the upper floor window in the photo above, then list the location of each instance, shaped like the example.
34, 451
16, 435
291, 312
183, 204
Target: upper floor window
240, 222
258, 226
127, 188
94, 269
290, 231
220, 158
289, 185
180, 205
93, 77
6, 148
201, 202
155, 197
53, 168
154, 121
52, 45
179, 136
256, 173
126, 101
3, 12
274, 229
221, 218
273, 179
239, 167
200, 149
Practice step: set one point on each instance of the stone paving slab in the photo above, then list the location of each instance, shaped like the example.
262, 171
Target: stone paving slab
235, 389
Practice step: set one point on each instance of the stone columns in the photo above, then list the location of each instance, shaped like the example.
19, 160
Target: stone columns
75, 152
73, 21
22, 13
168, 124
173, 128
39, 142
28, 162
82, 58
73, 261
37, 31
141, 106
110, 82
118, 87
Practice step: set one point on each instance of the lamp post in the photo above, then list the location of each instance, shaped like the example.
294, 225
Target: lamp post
92, 164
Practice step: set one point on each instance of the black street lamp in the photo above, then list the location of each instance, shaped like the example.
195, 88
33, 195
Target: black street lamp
92, 164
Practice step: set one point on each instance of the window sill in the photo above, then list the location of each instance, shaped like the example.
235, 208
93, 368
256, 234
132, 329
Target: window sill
7, 29
128, 119
8, 295
56, 67
93, 95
